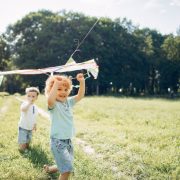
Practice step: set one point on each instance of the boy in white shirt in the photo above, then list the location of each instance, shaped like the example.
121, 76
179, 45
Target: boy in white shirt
27, 122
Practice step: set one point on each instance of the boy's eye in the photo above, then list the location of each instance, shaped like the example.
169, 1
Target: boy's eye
66, 90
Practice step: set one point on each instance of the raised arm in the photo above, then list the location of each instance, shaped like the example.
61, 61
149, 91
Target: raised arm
25, 106
81, 91
53, 93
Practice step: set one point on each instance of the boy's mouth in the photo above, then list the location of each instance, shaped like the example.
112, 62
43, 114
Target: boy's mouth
62, 96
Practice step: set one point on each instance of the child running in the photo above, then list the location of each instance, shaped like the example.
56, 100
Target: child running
60, 105
27, 122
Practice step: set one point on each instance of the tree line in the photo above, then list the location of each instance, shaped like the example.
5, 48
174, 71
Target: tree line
131, 60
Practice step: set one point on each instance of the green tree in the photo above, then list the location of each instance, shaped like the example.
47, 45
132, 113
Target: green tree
4, 54
129, 58
171, 69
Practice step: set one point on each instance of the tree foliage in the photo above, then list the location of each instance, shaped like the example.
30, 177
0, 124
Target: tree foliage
131, 60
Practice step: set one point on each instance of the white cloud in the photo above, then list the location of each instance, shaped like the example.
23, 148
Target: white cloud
119, 2
163, 11
160, 14
175, 3
158, 6
152, 4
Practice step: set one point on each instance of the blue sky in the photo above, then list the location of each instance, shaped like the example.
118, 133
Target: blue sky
162, 15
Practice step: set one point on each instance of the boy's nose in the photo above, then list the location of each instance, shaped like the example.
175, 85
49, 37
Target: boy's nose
63, 93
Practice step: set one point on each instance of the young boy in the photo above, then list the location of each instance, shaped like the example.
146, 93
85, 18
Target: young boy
60, 105
27, 122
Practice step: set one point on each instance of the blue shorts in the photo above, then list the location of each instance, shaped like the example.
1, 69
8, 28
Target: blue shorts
24, 136
62, 150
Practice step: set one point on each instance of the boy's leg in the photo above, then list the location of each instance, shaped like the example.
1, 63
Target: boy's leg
63, 153
22, 139
22, 147
27, 145
64, 176
50, 169
29, 138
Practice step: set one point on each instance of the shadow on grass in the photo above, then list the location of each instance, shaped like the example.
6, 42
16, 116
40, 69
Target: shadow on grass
39, 158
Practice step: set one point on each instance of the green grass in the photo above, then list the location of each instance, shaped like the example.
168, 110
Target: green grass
131, 138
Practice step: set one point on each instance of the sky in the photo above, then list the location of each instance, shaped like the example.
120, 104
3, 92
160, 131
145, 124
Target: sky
161, 15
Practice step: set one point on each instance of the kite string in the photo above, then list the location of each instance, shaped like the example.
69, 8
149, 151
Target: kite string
79, 44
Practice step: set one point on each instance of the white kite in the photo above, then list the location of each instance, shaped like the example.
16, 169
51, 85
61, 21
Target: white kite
71, 65
90, 66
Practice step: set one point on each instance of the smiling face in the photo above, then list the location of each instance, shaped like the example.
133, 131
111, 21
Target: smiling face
63, 91
31, 96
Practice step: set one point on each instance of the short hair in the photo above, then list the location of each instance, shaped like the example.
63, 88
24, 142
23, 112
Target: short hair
32, 89
50, 81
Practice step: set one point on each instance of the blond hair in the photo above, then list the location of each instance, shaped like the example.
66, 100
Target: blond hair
32, 89
50, 81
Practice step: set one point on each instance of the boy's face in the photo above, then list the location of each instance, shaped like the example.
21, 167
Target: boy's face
62, 93
31, 96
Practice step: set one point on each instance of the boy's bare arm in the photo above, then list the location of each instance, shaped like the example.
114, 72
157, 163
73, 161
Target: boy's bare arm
25, 106
34, 127
81, 91
53, 93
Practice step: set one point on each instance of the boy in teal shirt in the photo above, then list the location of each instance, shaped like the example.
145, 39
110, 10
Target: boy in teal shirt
60, 107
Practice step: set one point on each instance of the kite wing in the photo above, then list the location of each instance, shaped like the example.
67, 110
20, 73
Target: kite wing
89, 65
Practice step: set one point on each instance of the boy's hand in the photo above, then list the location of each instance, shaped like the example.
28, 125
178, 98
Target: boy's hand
57, 79
30, 100
34, 128
81, 91
80, 77
58, 82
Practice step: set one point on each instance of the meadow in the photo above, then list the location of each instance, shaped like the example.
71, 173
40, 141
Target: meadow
116, 139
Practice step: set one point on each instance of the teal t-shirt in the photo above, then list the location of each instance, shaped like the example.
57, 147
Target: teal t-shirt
62, 124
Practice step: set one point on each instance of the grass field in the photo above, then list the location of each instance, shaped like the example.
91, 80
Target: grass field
116, 138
